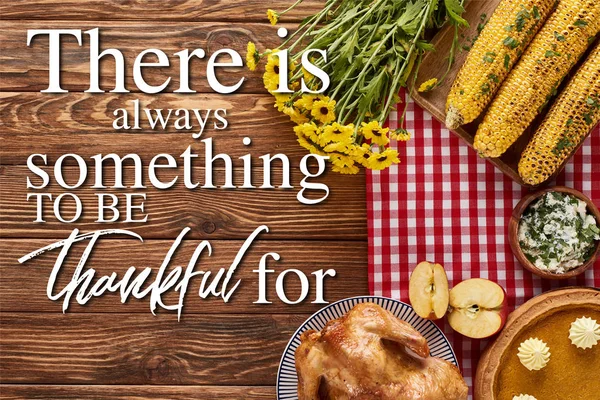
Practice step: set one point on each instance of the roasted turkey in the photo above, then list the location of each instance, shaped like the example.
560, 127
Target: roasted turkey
370, 354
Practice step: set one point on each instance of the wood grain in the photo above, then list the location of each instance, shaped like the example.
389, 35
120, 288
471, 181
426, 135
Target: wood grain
130, 392
82, 123
85, 113
210, 213
169, 10
112, 350
25, 69
134, 349
349, 259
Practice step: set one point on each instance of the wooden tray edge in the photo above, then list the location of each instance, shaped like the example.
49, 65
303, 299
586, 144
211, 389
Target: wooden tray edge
423, 101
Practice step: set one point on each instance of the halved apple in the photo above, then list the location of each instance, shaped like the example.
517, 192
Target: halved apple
428, 290
478, 308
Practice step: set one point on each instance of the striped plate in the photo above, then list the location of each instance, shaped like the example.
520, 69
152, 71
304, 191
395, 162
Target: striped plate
287, 380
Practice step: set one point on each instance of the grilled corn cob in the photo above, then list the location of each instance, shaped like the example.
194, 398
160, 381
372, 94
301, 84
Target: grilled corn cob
534, 80
499, 46
575, 112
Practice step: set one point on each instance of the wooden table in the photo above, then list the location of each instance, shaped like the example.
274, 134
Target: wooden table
217, 350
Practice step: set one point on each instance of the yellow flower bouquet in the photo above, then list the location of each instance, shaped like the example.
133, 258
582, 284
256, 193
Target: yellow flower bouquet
369, 49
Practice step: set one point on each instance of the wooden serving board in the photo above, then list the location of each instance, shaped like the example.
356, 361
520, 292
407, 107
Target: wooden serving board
435, 63
540, 307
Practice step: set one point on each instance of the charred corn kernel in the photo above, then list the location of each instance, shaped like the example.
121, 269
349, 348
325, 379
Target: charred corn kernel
574, 113
502, 41
534, 80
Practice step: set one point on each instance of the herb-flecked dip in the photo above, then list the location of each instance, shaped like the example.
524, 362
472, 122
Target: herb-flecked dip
557, 234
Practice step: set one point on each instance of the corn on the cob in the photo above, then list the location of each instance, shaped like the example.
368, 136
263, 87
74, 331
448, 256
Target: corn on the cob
534, 80
575, 112
502, 41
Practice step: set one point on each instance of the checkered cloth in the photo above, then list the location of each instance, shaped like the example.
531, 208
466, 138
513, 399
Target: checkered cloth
445, 204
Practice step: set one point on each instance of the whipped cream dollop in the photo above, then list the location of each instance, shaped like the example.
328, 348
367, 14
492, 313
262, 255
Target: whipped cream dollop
524, 397
584, 333
534, 354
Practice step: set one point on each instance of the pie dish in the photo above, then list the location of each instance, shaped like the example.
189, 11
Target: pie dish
571, 372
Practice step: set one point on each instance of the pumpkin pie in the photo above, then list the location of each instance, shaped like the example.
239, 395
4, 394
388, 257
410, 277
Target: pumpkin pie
571, 372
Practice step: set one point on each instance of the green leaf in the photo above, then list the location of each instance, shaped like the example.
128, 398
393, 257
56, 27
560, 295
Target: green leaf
510, 42
522, 18
423, 45
580, 23
551, 53
347, 50
506, 61
494, 78
485, 88
455, 10
489, 57
562, 145
409, 21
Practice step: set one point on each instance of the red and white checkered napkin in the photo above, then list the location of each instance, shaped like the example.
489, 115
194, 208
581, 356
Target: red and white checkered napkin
445, 204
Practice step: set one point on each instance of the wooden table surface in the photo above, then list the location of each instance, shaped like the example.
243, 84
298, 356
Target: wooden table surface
109, 349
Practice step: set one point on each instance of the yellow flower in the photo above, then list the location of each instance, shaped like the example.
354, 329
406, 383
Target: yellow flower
384, 159
282, 100
428, 85
271, 75
361, 154
341, 160
348, 169
338, 133
338, 148
307, 75
400, 135
375, 132
307, 100
273, 16
252, 56
295, 115
308, 130
310, 146
271, 81
323, 111
273, 63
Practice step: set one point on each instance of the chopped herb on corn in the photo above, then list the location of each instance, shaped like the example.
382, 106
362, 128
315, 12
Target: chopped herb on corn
572, 116
501, 42
535, 79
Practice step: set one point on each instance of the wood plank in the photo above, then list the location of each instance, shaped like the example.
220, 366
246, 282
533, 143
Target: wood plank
349, 259
169, 10
82, 123
134, 349
210, 213
24, 68
79, 113
130, 392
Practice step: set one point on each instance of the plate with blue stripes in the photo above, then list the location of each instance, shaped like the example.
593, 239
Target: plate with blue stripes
287, 379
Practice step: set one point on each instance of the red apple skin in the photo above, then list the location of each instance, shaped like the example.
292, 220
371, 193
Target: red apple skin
466, 326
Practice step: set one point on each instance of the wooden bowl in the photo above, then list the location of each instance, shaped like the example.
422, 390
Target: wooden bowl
513, 229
